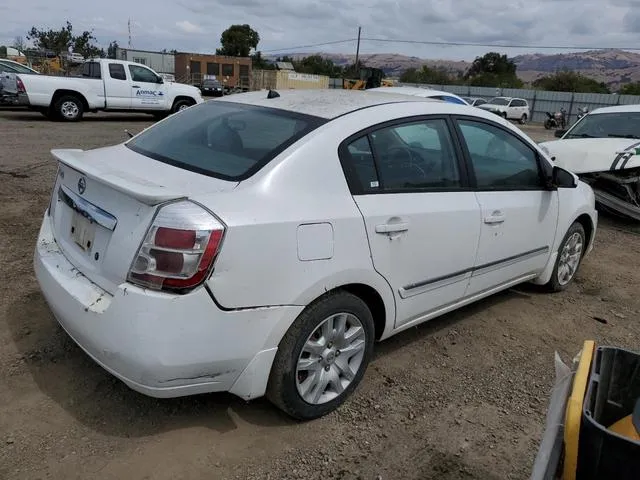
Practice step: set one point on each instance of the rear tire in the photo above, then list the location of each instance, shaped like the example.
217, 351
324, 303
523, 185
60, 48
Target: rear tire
322, 357
68, 108
523, 119
570, 255
547, 125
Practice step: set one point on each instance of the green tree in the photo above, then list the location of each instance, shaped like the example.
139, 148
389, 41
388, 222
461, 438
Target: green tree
57, 41
238, 40
630, 89
112, 50
567, 81
318, 65
493, 70
259, 63
3, 51
434, 76
83, 44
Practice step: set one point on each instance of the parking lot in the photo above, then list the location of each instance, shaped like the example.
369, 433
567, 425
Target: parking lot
463, 396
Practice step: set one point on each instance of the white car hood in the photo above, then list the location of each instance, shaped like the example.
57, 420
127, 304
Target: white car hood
588, 155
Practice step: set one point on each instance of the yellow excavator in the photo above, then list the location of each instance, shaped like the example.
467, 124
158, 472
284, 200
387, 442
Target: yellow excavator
369, 78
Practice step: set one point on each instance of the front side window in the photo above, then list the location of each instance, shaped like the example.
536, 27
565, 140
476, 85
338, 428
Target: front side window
141, 74
223, 139
408, 157
500, 160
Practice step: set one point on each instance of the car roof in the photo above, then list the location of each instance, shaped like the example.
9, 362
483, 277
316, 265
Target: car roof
616, 109
325, 103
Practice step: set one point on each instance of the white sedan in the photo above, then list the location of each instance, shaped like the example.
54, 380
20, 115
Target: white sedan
423, 92
261, 243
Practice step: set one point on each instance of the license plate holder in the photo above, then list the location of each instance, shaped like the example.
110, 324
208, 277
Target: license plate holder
83, 231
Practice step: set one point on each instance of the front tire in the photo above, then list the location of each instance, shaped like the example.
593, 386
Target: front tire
570, 255
68, 108
180, 105
322, 357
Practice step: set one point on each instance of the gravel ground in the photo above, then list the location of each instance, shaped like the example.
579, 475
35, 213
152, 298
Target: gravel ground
463, 396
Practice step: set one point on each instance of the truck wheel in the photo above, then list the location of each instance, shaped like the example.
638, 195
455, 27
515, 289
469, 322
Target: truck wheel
322, 357
180, 105
69, 108
570, 255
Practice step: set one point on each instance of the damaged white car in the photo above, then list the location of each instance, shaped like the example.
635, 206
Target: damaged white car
603, 149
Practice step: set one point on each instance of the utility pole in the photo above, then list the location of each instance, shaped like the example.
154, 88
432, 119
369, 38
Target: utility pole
129, 28
358, 48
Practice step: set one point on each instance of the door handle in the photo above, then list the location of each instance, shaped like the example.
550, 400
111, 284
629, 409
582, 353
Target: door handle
392, 227
135, 86
495, 217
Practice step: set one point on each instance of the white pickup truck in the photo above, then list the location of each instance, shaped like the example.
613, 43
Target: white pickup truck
105, 84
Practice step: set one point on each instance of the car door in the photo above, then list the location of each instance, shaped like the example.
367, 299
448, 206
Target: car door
117, 87
147, 93
422, 220
519, 214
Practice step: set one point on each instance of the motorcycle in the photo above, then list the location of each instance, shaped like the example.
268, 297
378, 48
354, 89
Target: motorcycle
556, 120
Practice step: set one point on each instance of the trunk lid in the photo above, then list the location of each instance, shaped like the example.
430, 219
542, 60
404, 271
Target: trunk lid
104, 200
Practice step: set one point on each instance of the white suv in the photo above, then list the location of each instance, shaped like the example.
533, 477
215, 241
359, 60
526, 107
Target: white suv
262, 243
509, 108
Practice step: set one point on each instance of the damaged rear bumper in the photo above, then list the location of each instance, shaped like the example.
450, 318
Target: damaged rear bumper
158, 344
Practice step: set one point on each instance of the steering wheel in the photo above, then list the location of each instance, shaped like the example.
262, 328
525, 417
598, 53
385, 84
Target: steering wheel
412, 159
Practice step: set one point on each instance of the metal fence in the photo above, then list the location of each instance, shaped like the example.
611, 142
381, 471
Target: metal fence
540, 101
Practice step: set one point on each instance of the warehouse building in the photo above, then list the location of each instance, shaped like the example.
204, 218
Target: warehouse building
161, 62
230, 71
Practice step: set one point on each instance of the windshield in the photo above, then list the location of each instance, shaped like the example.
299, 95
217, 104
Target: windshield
223, 139
499, 101
211, 83
607, 125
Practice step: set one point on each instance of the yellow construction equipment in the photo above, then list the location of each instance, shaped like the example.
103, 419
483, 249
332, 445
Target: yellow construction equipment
369, 78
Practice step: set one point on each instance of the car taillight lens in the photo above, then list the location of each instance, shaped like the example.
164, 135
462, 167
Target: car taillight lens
20, 86
179, 248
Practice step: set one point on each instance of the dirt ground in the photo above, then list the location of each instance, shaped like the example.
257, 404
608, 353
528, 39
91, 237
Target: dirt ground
463, 396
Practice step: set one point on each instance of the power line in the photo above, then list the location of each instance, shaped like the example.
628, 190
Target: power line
335, 42
493, 45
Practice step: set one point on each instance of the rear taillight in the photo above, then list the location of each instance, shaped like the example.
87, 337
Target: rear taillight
20, 86
179, 248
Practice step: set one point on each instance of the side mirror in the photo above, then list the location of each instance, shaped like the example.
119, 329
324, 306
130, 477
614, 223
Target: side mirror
561, 178
559, 133
160, 80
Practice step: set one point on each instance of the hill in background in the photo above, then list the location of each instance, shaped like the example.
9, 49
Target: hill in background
613, 67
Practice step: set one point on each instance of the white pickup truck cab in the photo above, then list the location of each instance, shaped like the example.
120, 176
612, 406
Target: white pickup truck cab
105, 84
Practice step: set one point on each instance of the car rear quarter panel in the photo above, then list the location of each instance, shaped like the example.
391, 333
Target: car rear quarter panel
260, 262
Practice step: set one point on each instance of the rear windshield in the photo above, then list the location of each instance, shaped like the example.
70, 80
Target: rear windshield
226, 140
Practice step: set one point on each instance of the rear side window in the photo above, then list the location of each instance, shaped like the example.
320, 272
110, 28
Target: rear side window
223, 139
116, 71
91, 70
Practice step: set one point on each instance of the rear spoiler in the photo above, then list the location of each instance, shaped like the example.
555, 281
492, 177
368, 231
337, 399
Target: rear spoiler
141, 189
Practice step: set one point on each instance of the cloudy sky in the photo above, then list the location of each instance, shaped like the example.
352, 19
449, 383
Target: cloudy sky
195, 25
